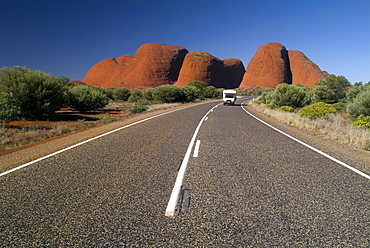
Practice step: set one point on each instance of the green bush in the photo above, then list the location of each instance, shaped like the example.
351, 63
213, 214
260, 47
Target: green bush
84, 98
210, 92
289, 95
360, 105
138, 109
317, 110
331, 89
191, 93
199, 85
10, 107
122, 94
135, 95
362, 122
168, 93
286, 109
148, 94
38, 93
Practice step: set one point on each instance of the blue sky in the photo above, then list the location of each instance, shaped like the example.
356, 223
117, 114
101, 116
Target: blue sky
67, 37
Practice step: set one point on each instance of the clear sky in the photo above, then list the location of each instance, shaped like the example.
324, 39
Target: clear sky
67, 37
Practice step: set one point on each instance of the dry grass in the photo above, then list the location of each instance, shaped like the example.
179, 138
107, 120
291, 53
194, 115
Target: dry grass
336, 127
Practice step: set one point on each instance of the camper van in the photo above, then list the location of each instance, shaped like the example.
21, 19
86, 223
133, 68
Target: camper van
229, 97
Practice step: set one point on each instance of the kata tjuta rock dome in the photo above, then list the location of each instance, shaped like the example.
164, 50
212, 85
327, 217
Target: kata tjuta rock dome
155, 64
272, 65
268, 67
304, 71
202, 66
152, 65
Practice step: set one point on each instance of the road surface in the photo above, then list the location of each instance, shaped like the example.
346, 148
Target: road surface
245, 185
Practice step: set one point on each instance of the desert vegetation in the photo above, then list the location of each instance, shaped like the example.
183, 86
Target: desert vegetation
334, 109
47, 106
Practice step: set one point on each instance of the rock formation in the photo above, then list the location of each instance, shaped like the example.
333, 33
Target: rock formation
268, 67
202, 66
304, 71
272, 64
152, 65
155, 64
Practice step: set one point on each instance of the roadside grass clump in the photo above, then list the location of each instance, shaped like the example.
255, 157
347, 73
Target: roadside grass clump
317, 110
138, 109
286, 109
106, 118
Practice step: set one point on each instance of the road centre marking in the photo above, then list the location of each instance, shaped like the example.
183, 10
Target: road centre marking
196, 149
86, 141
308, 146
171, 207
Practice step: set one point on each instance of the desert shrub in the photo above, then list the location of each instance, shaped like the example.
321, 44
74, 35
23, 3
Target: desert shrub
331, 89
360, 105
138, 109
38, 93
191, 93
210, 92
121, 94
106, 118
10, 107
135, 95
148, 94
168, 93
84, 98
199, 85
286, 109
362, 122
339, 105
288, 95
265, 96
317, 110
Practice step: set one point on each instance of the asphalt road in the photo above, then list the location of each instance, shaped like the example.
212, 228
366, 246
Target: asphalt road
249, 186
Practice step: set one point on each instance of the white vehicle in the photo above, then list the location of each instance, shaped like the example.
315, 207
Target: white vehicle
229, 97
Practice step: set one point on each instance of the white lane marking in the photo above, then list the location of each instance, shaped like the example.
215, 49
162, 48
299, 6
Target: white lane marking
171, 207
206, 118
312, 148
196, 149
86, 141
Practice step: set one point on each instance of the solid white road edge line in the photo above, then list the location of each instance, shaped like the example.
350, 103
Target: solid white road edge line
86, 141
196, 149
312, 148
171, 207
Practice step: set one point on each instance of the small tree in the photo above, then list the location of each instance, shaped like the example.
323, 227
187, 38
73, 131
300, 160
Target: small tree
9, 107
84, 98
331, 89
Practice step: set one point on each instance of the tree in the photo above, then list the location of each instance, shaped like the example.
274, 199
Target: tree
39, 93
9, 107
85, 97
331, 89
360, 105
355, 90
